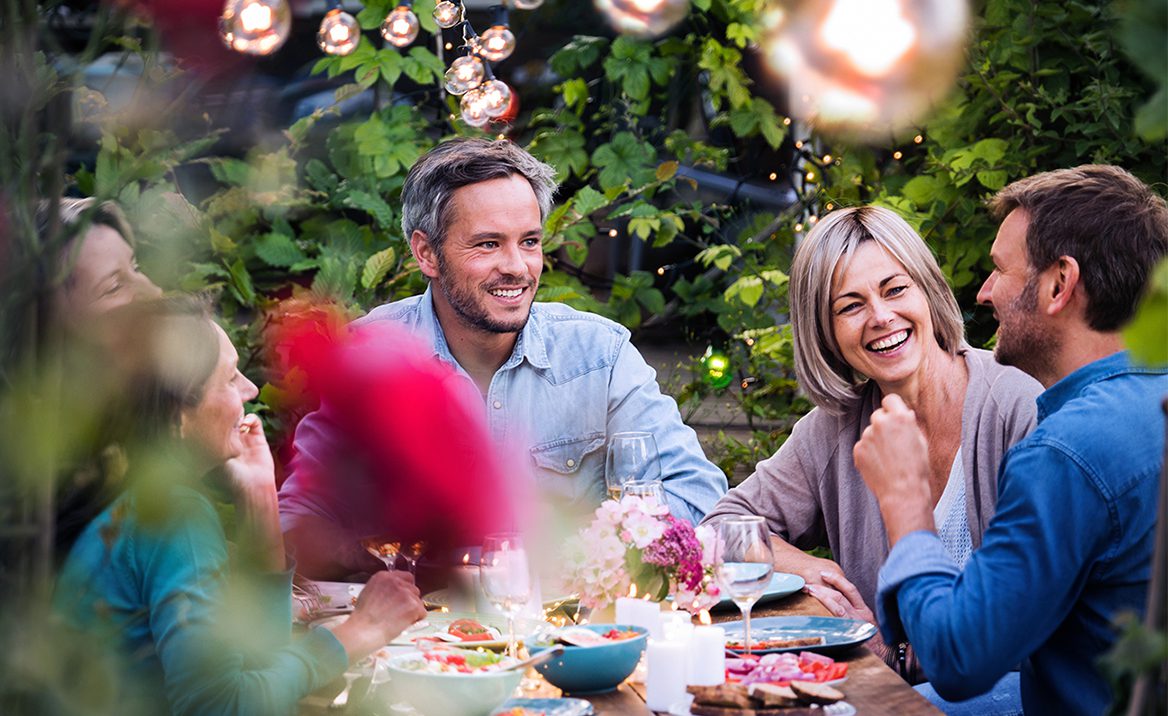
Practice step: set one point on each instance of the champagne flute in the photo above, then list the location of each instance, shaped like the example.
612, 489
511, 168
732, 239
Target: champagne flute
745, 563
411, 552
505, 579
631, 456
651, 491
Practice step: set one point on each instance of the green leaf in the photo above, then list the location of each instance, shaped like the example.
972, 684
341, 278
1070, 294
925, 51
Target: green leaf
221, 243
588, 200
626, 158
578, 55
575, 94
747, 289
373, 205
921, 190
992, 179
563, 149
377, 266
278, 250
1147, 334
320, 177
240, 283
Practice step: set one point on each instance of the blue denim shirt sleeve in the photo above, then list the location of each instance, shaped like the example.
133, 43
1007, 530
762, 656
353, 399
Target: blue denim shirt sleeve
970, 627
692, 483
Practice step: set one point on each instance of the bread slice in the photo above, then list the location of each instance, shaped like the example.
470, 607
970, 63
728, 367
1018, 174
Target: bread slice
774, 696
812, 693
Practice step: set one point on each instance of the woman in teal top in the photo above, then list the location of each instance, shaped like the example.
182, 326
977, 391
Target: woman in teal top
200, 630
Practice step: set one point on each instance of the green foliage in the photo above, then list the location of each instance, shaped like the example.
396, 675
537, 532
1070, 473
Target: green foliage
1147, 335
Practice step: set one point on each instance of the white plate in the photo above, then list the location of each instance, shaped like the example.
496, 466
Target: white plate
439, 621
843, 708
335, 598
781, 585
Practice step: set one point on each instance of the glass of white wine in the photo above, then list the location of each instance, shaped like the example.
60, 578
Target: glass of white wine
631, 457
745, 563
651, 491
505, 578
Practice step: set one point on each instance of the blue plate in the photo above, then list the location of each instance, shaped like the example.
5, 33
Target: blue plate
549, 707
782, 585
838, 634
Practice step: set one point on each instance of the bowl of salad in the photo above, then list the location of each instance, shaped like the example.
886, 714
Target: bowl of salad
451, 681
597, 657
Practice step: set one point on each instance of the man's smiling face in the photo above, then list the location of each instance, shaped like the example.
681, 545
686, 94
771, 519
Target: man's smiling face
491, 258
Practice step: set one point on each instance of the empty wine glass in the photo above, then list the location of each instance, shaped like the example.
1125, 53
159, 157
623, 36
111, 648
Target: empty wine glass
745, 562
651, 491
631, 456
505, 578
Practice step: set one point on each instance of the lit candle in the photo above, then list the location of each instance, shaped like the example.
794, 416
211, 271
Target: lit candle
707, 654
665, 680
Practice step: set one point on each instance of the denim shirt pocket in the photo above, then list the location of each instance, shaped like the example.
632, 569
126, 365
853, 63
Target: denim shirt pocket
558, 465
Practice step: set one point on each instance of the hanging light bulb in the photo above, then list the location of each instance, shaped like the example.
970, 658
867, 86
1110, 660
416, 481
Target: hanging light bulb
643, 18
864, 69
255, 27
401, 25
339, 33
447, 14
526, 4
474, 108
464, 74
498, 43
496, 97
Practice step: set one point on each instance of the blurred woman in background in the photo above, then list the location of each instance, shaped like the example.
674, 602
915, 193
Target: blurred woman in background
197, 630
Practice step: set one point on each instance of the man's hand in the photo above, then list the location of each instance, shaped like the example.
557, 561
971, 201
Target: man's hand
840, 597
893, 457
388, 605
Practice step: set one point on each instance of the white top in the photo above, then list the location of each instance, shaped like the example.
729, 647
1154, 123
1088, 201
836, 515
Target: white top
949, 516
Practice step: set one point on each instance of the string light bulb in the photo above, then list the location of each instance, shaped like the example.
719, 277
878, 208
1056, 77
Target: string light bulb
496, 97
526, 4
255, 27
642, 18
401, 25
474, 108
339, 33
464, 74
447, 14
498, 42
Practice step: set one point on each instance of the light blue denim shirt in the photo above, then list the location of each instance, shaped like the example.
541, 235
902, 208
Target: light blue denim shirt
573, 379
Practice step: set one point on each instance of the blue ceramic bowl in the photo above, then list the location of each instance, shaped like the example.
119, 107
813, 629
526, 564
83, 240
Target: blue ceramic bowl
594, 669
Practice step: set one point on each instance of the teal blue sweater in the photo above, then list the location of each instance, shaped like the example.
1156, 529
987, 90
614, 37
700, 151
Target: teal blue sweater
190, 637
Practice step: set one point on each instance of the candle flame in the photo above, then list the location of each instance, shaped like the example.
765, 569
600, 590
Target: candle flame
704, 617
632, 591
466, 558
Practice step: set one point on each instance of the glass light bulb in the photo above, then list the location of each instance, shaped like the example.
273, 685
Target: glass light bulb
474, 108
865, 69
339, 33
447, 14
496, 97
255, 27
465, 73
527, 4
498, 43
400, 27
643, 18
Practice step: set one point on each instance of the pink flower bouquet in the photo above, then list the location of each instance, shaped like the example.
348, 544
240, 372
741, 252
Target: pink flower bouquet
637, 542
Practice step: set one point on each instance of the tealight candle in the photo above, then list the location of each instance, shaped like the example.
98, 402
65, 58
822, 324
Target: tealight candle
665, 680
707, 656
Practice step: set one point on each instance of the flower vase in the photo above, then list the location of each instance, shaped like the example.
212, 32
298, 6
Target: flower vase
603, 615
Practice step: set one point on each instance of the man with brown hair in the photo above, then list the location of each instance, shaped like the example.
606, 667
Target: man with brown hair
1070, 546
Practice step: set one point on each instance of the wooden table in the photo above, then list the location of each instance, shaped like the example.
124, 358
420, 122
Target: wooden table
872, 687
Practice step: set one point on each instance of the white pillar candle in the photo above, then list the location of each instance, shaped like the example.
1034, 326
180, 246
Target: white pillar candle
707, 656
639, 612
665, 680
626, 610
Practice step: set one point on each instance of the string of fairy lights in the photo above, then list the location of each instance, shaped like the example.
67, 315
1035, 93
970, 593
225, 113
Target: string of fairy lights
260, 27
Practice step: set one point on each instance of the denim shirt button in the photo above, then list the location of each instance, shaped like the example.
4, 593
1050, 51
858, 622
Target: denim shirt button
498, 405
570, 463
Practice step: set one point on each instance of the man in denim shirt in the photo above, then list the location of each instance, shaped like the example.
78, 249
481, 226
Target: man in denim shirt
1070, 546
556, 381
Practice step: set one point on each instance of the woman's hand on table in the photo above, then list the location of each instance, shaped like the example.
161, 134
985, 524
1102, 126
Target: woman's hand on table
840, 597
389, 603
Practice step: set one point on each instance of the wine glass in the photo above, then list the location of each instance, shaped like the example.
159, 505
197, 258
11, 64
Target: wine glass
745, 563
384, 548
631, 456
651, 491
505, 579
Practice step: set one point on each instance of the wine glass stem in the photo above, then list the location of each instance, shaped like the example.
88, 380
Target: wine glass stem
746, 626
511, 650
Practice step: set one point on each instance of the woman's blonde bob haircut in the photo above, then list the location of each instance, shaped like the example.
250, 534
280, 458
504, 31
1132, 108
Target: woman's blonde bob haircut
823, 373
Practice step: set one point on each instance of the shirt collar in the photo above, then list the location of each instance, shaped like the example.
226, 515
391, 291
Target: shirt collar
530, 344
1057, 395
